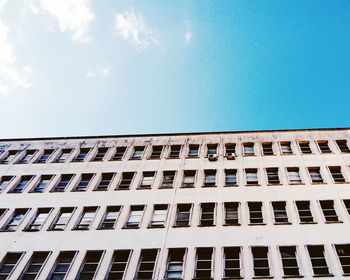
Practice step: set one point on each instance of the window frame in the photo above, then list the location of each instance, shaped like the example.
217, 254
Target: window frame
324, 216
54, 189
35, 216
239, 218
127, 223
191, 207
254, 183
311, 209
58, 258
39, 180
151, 222
201, 221
58, 216
6, 224
195, 176
269, 262
224, 259
294, 169
325, 256
78, 225
297, 259
168, 258
212, 260
100, 226
112, 261
132, 180
84, 263
29, 263
287, 222
100, 179
263, 216
15, 266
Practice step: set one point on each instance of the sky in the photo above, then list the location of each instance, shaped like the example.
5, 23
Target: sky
105, 67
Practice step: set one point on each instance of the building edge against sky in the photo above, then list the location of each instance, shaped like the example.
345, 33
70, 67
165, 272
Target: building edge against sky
251, 204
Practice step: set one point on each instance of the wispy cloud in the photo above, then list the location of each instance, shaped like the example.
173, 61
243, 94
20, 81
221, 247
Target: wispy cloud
10, 74
73, 16
132, 27
188, 33
101, 72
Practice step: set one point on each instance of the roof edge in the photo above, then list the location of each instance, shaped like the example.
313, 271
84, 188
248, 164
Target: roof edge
170, 134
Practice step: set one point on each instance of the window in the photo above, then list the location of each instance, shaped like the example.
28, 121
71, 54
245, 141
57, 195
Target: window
337, 174
84, 182
62, 265
193, 151
22, 184
118, 266
189, 179
110, 217
343, 252
294, 176
138, 152
101, 153
65, 153
105, 181
39, 219
4, 182
62, 218
34, 266
183, 215
175, 264
2, 212
328, 210
207, 217
305, 147
230, 177
230, 149
204, 263
15, 220
209, 178
231, 213
280, 212
63, 183
289, 261
9, 157
135, 216
318, 260
315, 175
147, 264
86, 218
267, 149
252, 177
272, 176
156, 152
261, 261
168, 179
286, 148
126, 180
45, 156
119, 153
248, 149
147, 180
347, 205
175, 151
159, 215
343, 146
90, 265
255, 213
232, 262
212, 149
82, 155
9, 263
42, 184
304, 211
27, 156
324, 148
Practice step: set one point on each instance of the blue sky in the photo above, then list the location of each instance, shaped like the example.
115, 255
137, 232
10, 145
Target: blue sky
84, 67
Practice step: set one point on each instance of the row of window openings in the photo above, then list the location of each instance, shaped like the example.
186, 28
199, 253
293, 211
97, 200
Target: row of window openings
183, 217
175, 263
47, 155
148, 178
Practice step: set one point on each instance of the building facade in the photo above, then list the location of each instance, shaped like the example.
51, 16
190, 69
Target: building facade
233, 205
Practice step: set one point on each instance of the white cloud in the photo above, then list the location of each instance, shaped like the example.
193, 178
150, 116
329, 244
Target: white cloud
101, 72
2, 4
132, 27
188, 33
10, 74
73, 16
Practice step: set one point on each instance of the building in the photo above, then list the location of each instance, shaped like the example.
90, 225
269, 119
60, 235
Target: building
259, 204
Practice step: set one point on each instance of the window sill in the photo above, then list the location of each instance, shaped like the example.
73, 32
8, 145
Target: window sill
143, 188
7, 230
193, 157
233, 277
130, 227
100, 228
253, 185
318, 184
187, 187
100, 190
262, 224
181, 226
53, 229
80, 229
209, 186
323, 275
282, 223
341, 183
230, 186
118, 189
333, 222
231, 225
273, 185
308, 223
297, 184
292, 276
30, 230
262, 277
206, 225
150, 226
165, 188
